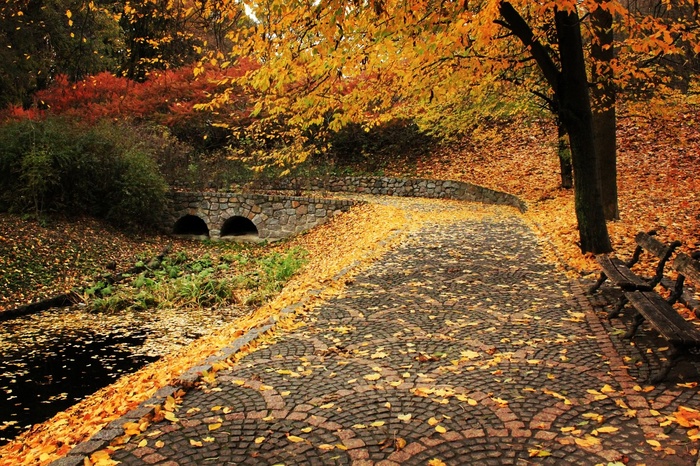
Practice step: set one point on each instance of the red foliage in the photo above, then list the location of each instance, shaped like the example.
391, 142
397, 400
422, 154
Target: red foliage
166, 98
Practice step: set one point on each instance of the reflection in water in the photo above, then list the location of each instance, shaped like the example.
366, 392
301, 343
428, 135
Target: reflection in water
54, 359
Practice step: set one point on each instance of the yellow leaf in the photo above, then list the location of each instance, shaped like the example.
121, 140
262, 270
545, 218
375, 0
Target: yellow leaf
359, 426
436, 462
377, 423
469, 354
326, 447
372, 377
195, 443
594, 416
399, 443
404, 417
160, 444
143, 443
440, 429
654, 443
294, 438
587, 441
306, 430
238, 382
379, 355
69, 14
214, 426
533, 452
327, 406
170, 416
259, 440
605, 430
433, 422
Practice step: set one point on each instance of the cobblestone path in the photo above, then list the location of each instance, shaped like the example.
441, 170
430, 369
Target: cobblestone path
461, 345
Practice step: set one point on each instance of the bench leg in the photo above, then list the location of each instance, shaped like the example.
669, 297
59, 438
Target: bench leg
618, 308
600, 281
673, 358
638, 320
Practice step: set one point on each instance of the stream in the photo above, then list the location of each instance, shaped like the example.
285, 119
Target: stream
53, 359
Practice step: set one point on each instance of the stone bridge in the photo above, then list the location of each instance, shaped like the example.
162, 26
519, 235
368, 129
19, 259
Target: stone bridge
264, 216
220, 215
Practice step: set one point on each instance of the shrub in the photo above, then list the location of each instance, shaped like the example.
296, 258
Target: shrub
57, 165
373, 149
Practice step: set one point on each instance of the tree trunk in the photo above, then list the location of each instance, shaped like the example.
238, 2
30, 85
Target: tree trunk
576, 115
571, 89
604, 118
564, 152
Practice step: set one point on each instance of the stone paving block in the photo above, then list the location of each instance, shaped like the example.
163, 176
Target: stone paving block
472, 321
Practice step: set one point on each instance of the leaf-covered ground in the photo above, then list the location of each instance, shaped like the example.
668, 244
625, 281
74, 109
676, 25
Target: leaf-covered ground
658, 177
41, 259
350, 239
658, 186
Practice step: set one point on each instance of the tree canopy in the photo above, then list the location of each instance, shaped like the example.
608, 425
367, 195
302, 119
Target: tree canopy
313, 67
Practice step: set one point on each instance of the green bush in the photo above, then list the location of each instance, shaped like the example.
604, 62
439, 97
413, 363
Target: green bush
57, 165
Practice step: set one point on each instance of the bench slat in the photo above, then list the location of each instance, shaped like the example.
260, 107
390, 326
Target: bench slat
652, 245
687, 266
664, 318
621, 275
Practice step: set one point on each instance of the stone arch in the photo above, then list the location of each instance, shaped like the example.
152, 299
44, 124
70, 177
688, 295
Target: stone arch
191, 225
238, 226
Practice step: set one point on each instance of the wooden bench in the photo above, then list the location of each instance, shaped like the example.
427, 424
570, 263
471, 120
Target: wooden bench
620, 273
682, 335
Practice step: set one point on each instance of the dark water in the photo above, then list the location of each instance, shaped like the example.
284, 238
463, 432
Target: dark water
53, 359
51, 378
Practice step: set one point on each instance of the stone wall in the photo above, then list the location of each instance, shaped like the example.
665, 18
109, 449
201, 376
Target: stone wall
274, 216
410, 187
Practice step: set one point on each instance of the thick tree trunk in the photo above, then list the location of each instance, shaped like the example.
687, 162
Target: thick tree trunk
575, 113
604, 118
571, 89
564, 152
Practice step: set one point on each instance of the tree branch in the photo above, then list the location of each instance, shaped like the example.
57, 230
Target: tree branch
516, 23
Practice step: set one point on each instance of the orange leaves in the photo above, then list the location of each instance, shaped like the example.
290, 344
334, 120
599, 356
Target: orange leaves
687, 417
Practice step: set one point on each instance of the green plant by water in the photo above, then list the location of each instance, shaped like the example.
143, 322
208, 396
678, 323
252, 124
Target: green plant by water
244, 276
